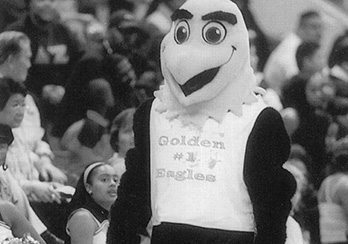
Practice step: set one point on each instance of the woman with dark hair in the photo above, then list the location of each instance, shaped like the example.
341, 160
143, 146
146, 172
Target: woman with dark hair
89, 208
12, 102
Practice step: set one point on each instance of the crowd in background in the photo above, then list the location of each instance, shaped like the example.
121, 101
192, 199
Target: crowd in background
73, 72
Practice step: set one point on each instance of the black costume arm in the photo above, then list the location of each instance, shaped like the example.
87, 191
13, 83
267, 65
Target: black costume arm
270, 186
131, 211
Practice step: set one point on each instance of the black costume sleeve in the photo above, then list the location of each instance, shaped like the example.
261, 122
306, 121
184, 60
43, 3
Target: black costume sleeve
131, 211
269, 185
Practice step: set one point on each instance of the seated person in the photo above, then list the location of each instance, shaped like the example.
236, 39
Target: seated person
89, 209
332, 197
11, 115
88, 139
15, 52
54, 49
122, 139
338, 73
101, 61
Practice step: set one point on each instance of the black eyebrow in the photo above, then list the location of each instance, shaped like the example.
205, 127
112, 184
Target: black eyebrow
221, 15
181, 14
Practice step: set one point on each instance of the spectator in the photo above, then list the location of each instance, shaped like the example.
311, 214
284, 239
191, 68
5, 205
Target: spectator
309, 94
309, 60
11, 114
88, 139
332, 197
122, 139
313, 124
338, 129
29, 157
281, 64
54, 53
101, 61
14, 63
89, 209
138, 40
53, 47
339, 73
335, 48
305, 208
12, 102
79, 23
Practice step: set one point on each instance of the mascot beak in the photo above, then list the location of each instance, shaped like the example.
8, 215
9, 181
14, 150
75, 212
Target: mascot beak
199, 81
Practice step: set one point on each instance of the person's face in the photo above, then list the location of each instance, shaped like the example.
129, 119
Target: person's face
312, 29
104, 183
125, 138
44, 9
3, 152
13, 112
21, 62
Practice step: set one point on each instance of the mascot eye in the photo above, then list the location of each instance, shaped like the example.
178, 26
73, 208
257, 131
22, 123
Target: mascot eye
182, 32
214, 32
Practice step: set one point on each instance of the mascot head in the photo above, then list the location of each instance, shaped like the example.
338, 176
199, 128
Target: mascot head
205, 62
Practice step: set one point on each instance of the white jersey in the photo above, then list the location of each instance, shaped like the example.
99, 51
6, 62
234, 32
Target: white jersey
197, 174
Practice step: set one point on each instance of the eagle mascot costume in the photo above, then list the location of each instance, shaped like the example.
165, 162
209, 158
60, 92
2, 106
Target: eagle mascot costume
208, 155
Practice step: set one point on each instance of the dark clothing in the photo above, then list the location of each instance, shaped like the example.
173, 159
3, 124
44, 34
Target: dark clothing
261, 41
115, 5
52, 215
170, 233
293, 93
98, 212
270, 187
11, 11
96, 63
307, 215
54, 49
6, 135
312, 129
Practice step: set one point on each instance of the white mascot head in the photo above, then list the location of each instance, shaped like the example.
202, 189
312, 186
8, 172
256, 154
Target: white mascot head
205, 62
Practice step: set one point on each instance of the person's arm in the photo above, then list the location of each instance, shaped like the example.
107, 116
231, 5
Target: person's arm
18, 223
269, 185
82, 228
49, 172
41, 191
